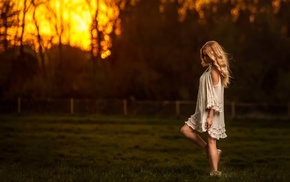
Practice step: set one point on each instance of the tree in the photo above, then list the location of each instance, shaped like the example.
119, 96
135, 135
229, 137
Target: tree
149, 61
8, 14
55, 17
35, 5
26, 6
73, 80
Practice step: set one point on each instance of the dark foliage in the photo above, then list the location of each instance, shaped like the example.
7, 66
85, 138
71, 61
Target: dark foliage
157, 57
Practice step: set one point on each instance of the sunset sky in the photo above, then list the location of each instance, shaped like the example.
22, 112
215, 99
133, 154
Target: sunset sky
76, 16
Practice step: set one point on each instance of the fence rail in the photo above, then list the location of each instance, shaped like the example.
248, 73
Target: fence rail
137, 107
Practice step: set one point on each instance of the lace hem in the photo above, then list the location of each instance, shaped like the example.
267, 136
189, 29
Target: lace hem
194, 126
194, 122
217, 133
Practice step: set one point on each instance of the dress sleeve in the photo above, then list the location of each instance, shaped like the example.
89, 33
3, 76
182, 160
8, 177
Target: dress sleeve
213, 95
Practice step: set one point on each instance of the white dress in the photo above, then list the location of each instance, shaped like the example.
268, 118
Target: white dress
209, 96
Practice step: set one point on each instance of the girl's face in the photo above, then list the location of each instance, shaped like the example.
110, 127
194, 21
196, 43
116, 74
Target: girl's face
206, 58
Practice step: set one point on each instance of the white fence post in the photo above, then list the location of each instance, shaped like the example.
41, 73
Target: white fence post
19, 105
71, 105
125, 109
177, 107
289, 109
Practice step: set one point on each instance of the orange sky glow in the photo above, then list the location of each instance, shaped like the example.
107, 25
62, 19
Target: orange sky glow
76, 16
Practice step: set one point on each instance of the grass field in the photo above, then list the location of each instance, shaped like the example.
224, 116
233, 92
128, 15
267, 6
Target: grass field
111, 148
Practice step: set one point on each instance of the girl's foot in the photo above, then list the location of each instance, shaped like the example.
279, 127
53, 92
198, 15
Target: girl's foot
205, 153
219, 151
215, 173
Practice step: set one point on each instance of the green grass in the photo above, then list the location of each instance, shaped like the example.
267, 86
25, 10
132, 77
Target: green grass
99, 148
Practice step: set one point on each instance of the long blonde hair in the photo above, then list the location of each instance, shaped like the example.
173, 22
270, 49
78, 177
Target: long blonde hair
219, 59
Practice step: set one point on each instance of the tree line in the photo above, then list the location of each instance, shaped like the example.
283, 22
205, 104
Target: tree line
155, 55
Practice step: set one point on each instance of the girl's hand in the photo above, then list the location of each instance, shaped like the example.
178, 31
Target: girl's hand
208, 122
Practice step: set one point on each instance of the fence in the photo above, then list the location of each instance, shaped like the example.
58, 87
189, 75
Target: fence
137, 108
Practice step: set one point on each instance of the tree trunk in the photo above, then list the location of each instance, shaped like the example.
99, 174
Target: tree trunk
39, 40
23, 28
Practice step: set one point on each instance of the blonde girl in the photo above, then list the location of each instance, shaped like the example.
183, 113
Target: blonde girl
209, 112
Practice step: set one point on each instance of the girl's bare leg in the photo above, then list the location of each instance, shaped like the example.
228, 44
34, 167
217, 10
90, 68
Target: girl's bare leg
213, 154
193, 136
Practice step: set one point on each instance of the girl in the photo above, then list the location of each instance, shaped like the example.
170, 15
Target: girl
209, 112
